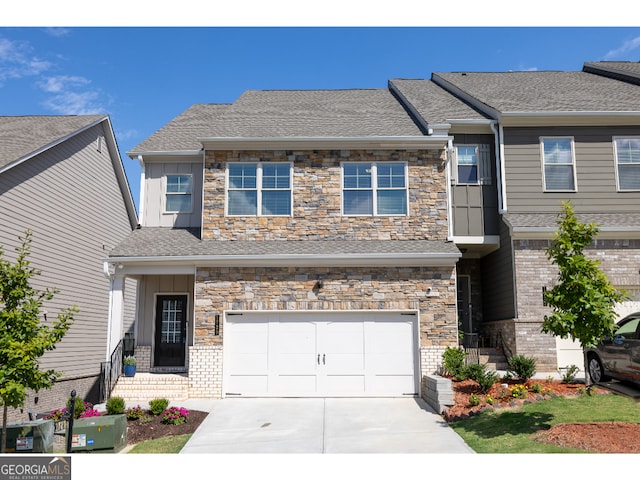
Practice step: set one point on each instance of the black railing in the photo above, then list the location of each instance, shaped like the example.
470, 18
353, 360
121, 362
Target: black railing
470, 345
110, 371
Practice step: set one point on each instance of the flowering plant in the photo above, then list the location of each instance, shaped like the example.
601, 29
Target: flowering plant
134, 413
175, 415
519, 391
56, 415
90, 412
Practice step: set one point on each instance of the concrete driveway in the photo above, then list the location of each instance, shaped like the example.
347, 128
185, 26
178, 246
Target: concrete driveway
323, 425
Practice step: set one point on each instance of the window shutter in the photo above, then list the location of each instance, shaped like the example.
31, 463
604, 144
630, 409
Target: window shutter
484, 163
454, 167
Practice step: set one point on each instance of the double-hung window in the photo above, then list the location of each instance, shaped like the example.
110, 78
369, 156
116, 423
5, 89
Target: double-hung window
374, 188
558, 164
627, 151
178, 192
259, 189
473, 164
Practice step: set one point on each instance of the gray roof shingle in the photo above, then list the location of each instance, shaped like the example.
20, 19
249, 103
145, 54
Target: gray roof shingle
170, 242
22, 136
546, 91
286, 113
434, 104
549, 221
625, 71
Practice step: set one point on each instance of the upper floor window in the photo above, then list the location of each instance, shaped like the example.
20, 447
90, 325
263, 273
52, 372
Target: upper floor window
558, 162
178, 191
627, 151
473, 164
259, 189
374, 188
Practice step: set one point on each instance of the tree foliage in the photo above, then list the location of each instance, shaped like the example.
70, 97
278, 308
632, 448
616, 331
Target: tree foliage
23, 338
583, 300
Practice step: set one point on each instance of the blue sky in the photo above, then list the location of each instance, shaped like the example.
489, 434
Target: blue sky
145, 76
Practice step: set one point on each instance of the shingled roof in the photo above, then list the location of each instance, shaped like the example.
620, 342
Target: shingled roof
286, 113
625, 71
546, 91
548, 222
24, 136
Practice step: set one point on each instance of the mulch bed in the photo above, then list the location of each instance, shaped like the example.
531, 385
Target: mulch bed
141, 430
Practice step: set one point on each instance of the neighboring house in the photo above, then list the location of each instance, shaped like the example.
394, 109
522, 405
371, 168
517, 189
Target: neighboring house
294, 243
62, 177
560, 136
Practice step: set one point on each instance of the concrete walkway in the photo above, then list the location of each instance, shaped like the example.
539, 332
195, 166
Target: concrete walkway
321, 425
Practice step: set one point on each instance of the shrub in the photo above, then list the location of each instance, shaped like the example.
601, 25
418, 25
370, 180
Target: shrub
453, 359
474, 400
158, 405
535, 388
485, 379
56, 415
175, 415
134, 413
522, 367
570, 374
115, 406
489, 399
519, 391
78, 408
129, 360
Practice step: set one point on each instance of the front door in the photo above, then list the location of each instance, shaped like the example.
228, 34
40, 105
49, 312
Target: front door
464, 304
171, 331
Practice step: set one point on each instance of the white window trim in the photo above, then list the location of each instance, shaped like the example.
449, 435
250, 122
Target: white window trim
573, 163
483, 165
615, 160
259, 189
374, 189
164, 197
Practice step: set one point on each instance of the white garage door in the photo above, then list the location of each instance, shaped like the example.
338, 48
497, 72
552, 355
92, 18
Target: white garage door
320, 354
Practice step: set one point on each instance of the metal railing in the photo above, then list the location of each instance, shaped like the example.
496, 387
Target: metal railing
110, 371
470, 345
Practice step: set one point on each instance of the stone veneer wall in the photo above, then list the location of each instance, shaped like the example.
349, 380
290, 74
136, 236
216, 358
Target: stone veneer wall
619, 260
317, 212
292, 289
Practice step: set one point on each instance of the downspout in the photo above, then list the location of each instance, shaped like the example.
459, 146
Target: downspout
448, 157
142, 192
499, 148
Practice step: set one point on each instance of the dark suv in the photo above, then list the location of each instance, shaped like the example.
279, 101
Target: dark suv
618, 356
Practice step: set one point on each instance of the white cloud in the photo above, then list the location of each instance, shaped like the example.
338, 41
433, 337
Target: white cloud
127, 134
17, 62
75, 103
57, 31
62, 83
624, 50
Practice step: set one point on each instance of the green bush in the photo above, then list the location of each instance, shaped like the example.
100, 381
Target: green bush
570, 374
483, 377
79, 407
158, 405
134, 413
453, 359
522, 367
115, 406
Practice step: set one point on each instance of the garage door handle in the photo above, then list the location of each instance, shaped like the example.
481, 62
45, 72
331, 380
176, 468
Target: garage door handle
323, 357
318, 359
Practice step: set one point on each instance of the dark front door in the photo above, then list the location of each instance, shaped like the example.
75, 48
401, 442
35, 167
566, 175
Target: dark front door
171, 330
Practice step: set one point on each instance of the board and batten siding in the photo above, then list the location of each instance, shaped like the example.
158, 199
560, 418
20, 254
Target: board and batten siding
70, 198
595, 170
154, 191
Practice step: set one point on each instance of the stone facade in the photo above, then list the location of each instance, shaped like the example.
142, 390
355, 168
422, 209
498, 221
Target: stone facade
317, 193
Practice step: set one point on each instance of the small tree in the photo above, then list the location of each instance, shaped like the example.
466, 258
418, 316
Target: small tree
23, 339
583, 300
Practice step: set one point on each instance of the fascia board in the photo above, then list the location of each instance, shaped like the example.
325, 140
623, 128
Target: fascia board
164, 153
584, 118
604, 233
333, 143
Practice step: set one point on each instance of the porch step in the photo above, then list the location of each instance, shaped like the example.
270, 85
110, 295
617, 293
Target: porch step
494, 359
147, 386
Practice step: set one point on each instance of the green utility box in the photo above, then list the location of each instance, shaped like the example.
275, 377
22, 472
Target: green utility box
35, 436
106, 433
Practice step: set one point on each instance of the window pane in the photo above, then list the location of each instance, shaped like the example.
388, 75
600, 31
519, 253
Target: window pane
557, 150
276, 202
242, 175
559, 177
629, 176
178, 203
467, 174
467, 156
628, 150
275, 176
358, 202
242, 202
392, 202
390, 175
178, 183
357, 175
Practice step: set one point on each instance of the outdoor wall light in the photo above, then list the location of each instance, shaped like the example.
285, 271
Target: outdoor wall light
216, 325
319, 284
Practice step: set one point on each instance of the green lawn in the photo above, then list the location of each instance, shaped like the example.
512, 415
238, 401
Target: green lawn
510, 431
171, 444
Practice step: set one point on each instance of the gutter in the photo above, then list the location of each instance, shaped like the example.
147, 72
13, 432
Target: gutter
333, 143
500, 167
448, 157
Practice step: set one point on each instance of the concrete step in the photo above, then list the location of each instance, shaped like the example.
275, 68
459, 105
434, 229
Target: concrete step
147, 386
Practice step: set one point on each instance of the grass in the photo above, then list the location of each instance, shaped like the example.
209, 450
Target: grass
170, 444
510, 431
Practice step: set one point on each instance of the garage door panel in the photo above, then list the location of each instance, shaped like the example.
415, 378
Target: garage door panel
385, 384
342, 337
298, 385
390, 364
250, 385
344, 385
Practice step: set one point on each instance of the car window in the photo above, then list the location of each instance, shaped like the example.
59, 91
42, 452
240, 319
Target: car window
628, 330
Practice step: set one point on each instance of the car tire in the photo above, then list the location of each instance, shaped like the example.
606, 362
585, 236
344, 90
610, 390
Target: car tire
596, 370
